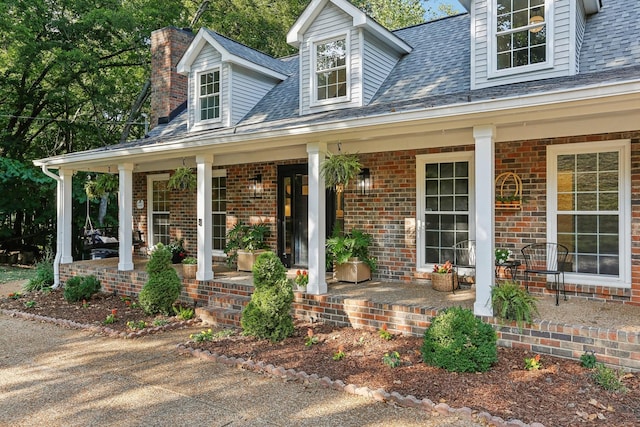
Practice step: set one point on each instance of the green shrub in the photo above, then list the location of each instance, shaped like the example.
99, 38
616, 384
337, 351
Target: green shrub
608, 378
460, 342
512, 302
268, 314
163, 286
44, 275
80, 287
588, 360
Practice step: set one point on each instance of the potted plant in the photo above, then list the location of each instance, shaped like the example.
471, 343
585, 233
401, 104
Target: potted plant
178, 253
189, 267
301, 280
339, 169
510, 301
183, 179
443, 278
349, 255
245, 243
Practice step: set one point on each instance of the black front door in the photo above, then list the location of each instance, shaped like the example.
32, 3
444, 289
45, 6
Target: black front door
293, 229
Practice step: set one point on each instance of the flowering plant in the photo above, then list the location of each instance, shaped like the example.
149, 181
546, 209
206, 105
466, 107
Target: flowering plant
502, 255
302, 278
178, 253
445, 268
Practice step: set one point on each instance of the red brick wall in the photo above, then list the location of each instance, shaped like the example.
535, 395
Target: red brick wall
168, 88
390, 209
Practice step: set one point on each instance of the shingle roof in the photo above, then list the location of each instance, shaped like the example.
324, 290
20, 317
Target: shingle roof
436, 73
250, 54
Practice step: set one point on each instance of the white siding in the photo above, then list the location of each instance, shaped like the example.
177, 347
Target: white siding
378, 63
581, 22
247, 88
558, 35
331, 22
208, 59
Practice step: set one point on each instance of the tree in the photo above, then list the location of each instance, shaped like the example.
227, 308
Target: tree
393, 14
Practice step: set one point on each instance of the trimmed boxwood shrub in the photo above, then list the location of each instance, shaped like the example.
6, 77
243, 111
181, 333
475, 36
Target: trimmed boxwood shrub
460, 342
268, 314
163, 287
81, 287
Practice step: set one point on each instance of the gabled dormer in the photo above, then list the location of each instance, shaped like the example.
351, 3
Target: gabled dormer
344, 55
522, 40
226, 79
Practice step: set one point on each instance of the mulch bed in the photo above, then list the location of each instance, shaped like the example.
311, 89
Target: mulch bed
91, 314
561, 393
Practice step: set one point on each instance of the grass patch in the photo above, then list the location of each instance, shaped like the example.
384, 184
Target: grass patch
10, 274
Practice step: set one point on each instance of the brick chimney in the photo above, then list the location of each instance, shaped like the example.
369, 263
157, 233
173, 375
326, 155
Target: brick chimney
168, 88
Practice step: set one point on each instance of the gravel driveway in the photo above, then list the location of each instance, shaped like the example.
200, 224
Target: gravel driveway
56, 377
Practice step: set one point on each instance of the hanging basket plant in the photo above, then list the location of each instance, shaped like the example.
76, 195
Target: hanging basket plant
105, 183
339, 169
182, 179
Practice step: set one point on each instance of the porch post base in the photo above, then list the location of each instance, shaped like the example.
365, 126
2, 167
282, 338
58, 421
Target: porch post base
125, 266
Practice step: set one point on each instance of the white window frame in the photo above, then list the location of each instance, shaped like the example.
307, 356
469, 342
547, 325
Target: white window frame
492, 44
218, 173
199, 97
623, 147
150, 212
421, 161
313, 71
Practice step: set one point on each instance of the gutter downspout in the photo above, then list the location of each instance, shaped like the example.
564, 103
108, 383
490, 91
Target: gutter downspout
58, 257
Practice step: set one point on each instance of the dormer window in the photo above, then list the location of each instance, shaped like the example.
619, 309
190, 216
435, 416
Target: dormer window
331, 81
209, 99
521, 33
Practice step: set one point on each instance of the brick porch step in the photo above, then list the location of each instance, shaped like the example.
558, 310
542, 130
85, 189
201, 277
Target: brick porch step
228, 301
220, 317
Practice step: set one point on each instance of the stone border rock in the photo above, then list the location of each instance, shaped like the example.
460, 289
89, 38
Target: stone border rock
379, 395
104, 330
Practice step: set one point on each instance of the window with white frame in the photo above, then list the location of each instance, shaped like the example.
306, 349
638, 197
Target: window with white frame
158, 202
445, 205
331, 69
520, 33
209, 95
589, 211
219, 210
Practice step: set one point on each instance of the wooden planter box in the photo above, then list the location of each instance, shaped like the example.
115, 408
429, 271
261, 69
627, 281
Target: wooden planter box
189, 271
352, 271
247, 258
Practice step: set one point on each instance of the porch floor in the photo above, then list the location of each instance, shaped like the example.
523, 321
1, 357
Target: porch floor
575, 311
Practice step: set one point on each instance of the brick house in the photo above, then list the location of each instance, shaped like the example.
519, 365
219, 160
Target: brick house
547, 90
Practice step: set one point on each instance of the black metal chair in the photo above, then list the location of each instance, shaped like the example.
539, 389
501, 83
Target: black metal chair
546, 258
464, 256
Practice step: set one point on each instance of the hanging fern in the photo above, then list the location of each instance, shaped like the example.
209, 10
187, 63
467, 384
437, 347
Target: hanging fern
182, 179
105, 183
339, 169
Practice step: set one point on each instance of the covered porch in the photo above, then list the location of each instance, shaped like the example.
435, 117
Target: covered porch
611, 330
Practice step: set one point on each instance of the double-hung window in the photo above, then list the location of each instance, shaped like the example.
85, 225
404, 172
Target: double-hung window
445, 206
331, 69
520, 33
158, 202
209, 95
589, 209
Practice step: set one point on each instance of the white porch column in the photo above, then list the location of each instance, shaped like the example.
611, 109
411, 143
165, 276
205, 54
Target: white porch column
317, 219
203, 210
65, 188
485, 217
125, 216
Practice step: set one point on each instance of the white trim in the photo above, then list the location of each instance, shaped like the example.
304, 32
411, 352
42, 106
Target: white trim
421, 160
492, 48
150, 180
477, 110
623, 147
313, 100
198, 120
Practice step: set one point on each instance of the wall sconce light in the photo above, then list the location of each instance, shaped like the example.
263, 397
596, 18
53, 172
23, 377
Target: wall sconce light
256, 186
364, 182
